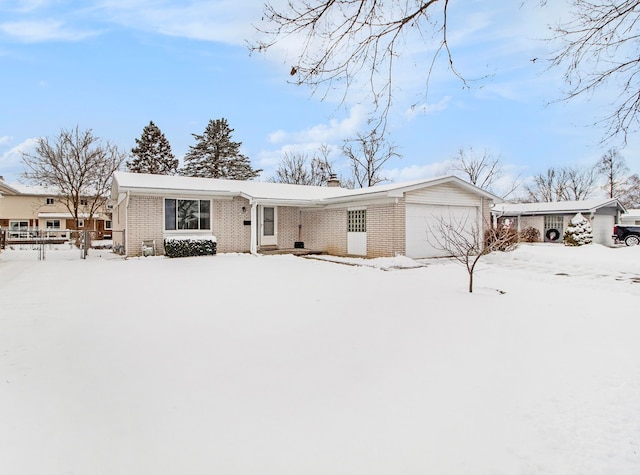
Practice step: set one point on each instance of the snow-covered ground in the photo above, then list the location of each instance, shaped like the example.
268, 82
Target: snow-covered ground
235, 364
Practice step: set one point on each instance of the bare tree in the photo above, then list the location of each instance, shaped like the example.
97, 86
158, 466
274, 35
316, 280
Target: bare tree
614, 170
482, 171
78, 166
367, 154
342, 39
600, 46
464, 241
579, 182
629, 195
547, 187
299, 169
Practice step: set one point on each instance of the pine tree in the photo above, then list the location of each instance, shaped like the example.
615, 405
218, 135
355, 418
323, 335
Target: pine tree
215, 155
579, 231
152, 153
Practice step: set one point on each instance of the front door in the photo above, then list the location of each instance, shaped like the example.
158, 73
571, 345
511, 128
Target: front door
268, 226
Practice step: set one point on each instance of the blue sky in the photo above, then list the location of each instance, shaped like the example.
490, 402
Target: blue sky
112, 66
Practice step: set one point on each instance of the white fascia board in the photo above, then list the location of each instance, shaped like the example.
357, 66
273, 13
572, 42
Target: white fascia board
284, 202
363, 201
180, 192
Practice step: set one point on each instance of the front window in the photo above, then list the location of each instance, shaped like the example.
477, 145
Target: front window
107, 224
187, 214
50, 201
53, 224
80, 223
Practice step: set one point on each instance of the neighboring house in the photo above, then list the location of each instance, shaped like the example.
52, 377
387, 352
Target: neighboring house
380, 221
551, 219
631, 217
26, 211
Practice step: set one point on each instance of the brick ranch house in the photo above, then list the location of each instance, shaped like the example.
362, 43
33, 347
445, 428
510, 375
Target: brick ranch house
245, 216
552, 219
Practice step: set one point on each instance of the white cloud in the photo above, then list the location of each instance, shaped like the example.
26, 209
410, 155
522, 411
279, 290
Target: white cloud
441, 105
43, 30
334, 130
11, 160
416, 172
5, 140
225, 21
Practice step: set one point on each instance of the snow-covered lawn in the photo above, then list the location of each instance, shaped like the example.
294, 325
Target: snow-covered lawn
235, 364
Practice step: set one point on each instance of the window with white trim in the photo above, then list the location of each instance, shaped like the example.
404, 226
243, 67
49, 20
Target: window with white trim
84, 202
80, 223
52, 224
107, 224
18, 228
187, 214
18, 225
357, 221
50, 201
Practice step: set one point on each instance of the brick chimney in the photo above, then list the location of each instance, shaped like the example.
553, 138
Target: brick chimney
333, 181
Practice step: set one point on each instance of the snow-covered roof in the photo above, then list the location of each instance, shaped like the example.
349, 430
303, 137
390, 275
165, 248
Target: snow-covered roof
21, 189
633, 212
555, 207
64, 215
163, 184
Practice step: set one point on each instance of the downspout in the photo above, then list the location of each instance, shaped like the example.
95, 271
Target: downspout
126, 226
253, 246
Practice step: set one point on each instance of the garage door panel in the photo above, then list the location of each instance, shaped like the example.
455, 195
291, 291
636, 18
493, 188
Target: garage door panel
424, 227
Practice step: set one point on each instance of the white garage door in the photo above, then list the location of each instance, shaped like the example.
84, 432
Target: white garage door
424, 223
602, 227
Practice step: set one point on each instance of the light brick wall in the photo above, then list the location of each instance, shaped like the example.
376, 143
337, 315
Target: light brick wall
386, 229
145, 223
288, 221
325, 230
227, 223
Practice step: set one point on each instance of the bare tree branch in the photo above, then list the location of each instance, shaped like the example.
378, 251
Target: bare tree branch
599, 46
367, 154
77, 166
462, 239
344, 39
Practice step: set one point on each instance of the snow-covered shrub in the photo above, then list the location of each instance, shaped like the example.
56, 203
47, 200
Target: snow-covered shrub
579, 231
186, 246
530, 234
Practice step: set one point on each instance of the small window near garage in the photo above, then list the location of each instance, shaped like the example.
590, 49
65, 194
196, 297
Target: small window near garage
50, 201
357, 221
107, 224
187, 214
53, 224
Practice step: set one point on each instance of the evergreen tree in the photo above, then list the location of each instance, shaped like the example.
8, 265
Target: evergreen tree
579, 231
152, 153
215, 155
